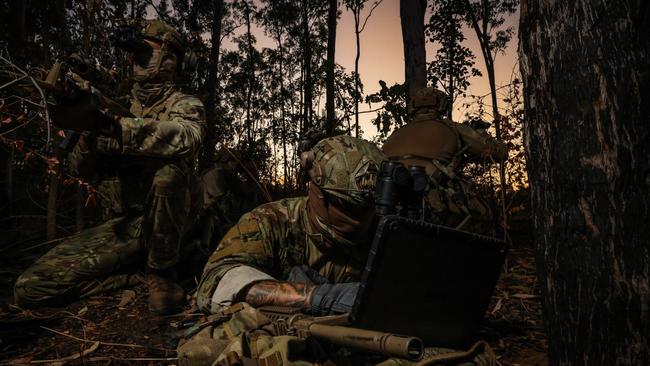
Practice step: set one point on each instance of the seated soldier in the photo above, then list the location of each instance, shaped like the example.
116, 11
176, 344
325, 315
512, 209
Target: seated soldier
440, 146
303, 252
144, 168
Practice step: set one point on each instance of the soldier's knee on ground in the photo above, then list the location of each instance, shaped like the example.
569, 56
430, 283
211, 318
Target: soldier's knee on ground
167, 211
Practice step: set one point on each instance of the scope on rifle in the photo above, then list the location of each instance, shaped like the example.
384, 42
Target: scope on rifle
400, 190
104, 79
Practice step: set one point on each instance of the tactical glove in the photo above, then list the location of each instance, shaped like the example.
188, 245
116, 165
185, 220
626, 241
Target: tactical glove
328, 299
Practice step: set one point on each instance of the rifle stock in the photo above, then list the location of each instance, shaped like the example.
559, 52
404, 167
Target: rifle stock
289, 321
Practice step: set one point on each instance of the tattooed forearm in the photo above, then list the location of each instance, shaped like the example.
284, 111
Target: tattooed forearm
276, 293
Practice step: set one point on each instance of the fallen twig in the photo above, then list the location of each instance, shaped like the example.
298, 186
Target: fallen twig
90, 341
61, 361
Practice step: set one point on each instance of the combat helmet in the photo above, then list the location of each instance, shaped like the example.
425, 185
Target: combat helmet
346, 167
430, 98
129, 35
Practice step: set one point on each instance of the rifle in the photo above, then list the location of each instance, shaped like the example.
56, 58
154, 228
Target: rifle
333, 329
72, 79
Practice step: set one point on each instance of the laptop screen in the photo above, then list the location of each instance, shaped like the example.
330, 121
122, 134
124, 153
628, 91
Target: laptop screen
428, 281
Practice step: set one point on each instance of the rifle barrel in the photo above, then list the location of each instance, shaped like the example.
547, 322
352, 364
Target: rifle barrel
387, 344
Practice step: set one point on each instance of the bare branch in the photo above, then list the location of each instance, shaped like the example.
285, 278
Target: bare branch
374, 6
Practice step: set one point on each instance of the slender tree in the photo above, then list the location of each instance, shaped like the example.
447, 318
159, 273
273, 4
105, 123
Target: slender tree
307, 60
586, 72
356, 6
453, 63
212, 83
332, 16
250, 70
412, 18
486, 18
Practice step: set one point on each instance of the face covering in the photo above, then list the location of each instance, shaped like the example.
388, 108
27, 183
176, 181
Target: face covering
153, 69
341, 224
152, 81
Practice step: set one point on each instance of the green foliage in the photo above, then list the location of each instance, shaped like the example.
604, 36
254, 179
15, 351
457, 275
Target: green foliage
393, 114
453, 63
491, 16
512, 122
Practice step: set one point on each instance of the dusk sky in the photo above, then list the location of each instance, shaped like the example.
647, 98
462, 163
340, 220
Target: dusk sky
382, 55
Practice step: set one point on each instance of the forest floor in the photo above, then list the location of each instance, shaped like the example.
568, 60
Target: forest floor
117, 328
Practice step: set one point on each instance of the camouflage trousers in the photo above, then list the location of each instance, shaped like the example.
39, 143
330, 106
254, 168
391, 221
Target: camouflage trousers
106, 257
247, 334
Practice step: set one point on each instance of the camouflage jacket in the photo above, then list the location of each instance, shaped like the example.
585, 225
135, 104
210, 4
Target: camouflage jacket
428, 137
439, 144
274, 238
122, 167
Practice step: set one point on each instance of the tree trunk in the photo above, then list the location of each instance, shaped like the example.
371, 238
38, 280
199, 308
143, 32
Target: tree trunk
307, 66
586, 71
331, 62
283, 114
212, 83
412, 16
357, 33
251, 73
483, 38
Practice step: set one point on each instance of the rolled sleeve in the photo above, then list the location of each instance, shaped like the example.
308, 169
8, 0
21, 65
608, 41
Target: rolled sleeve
232, 283
245, 244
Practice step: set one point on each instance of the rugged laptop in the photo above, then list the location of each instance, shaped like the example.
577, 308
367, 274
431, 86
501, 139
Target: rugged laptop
427, 281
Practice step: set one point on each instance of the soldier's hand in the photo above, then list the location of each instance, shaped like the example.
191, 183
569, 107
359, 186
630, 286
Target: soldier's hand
327, 299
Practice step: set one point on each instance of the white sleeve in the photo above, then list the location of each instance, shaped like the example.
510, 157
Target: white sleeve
232, 283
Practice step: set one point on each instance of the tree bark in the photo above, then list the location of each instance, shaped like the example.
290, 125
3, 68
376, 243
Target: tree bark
212, 83
251, 73
586, 72
283, 123
331, 62
357, 34
307, 102
412, 18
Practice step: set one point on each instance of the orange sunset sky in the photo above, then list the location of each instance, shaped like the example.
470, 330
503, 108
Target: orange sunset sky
382, 55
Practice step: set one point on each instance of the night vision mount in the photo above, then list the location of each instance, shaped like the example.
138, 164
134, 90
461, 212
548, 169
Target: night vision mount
400, 190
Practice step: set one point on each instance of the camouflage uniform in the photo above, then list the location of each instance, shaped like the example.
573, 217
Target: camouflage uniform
277, 236
146, 178
439, 145
274, 238
228, 193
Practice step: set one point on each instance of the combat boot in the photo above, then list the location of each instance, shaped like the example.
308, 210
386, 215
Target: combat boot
166, 296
